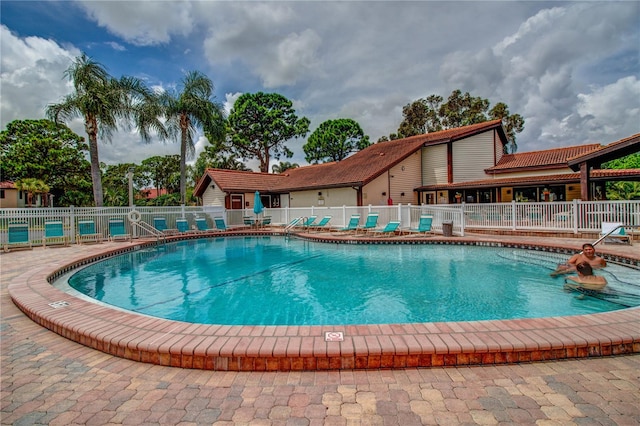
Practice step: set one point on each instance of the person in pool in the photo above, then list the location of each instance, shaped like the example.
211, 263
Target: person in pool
587, 255
586, 279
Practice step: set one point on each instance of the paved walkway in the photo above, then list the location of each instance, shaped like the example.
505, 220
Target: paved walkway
47, 379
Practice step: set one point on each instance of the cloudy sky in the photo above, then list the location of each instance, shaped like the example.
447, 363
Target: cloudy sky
571, 69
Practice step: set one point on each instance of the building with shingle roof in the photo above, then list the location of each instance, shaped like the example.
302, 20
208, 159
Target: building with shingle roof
454, 165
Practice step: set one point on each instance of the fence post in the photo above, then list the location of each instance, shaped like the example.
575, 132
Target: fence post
72, 217
576, 210
182, 210
513, 215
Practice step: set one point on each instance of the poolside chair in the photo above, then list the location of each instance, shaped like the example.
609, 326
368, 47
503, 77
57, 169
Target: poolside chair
323, 224
248, 221
87, 232
266, 221
183, 226
369, 224
613, 232
54, 234
117, 230
18, 236
160, 223
220, 225
353, 223
203, 226
389, 230
424, 226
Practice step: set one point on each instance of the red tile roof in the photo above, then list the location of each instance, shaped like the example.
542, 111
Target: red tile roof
601, 174
7, 184
550, 158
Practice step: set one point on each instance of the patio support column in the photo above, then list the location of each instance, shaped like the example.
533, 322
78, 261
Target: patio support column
585, 182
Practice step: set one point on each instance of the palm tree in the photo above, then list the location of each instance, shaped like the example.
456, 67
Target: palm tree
188, 110
102, 101
32, 186
283, 166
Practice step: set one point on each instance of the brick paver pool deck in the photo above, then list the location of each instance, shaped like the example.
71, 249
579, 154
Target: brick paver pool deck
47, 379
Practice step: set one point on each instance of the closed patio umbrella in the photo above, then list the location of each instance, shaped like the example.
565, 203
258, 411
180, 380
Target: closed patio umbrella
257, 204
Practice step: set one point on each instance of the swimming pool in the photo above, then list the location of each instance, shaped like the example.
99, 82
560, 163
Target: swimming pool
280, 281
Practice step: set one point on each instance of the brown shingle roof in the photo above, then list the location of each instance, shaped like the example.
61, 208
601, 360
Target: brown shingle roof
371, 162
356, 170
550, 158
240, 181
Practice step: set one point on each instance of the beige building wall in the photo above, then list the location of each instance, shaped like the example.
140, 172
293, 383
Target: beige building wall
372, 193
404, 177
327, 197
213, 196
434, 165
10, 199
471, 156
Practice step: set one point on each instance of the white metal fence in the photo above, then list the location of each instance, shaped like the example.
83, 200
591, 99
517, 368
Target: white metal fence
570, 217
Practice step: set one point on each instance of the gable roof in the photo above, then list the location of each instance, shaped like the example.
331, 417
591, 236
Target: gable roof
369, 163
539, 160
356, 170
239, 181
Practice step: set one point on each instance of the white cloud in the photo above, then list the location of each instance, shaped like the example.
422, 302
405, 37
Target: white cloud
542, 72
294, 58
142, 23
32, 75
608, 111
565, 68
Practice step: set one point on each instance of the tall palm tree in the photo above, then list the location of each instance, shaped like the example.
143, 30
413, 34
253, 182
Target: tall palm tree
188, 110
103, 102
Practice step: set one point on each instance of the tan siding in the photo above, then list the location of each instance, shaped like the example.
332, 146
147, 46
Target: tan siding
10, 200
405, 177
434, 165
332, 197
372, 193
573, 191
213, 197
471, 156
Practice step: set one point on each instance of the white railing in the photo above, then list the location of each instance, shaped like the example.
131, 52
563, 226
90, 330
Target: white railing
568, 217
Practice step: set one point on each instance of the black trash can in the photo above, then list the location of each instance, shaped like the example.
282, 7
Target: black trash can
447, 229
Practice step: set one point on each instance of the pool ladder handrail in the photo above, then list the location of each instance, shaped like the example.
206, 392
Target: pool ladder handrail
292, 224
151, 230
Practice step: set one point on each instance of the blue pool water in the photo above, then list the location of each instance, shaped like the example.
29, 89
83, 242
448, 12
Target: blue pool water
281, 281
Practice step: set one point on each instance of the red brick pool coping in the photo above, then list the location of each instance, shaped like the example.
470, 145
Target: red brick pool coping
295, 348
